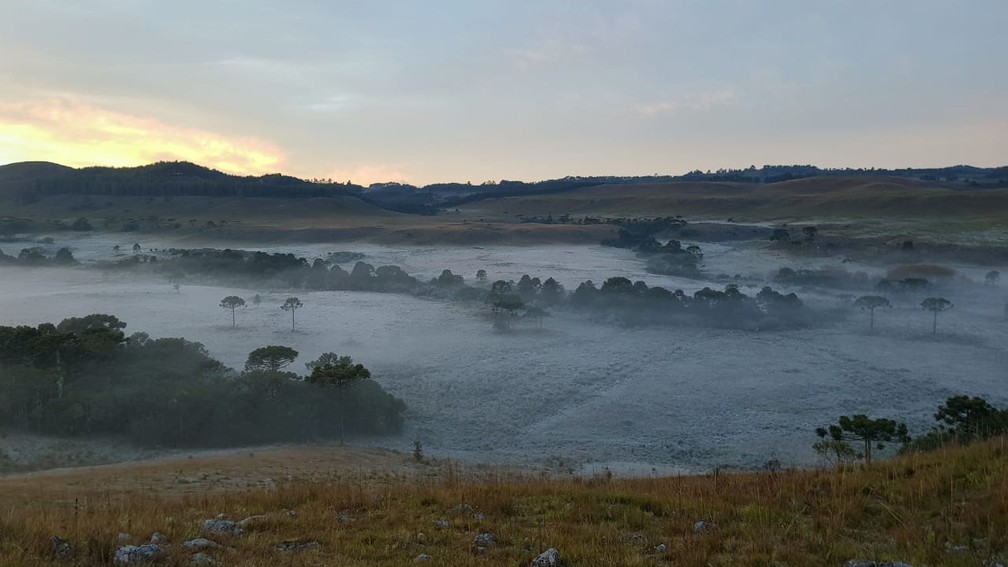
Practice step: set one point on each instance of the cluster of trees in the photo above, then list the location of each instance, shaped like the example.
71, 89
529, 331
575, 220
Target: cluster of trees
243, 268
636, 303
961, 419
670, 258
37, 256
84, 376
630, 303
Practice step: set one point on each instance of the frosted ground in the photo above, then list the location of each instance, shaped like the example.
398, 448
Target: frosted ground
577, 395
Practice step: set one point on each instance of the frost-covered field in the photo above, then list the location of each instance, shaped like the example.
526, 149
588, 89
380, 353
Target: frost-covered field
584, 395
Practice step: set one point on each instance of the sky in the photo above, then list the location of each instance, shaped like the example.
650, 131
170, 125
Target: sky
484, 90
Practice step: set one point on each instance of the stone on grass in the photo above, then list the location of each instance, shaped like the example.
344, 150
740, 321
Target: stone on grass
222, 527
61, 548
158, 537
443, 524
421, 558
295, 546
485, 540
548, 558
201, 543
701, 527
346, 518
202, 560
660, 548
137, 554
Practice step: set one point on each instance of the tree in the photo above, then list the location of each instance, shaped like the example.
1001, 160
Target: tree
968, 419
292, 304
872, 433
116, 250
175, 280
871, 303
810, 233
338, 372
136, 248
537, 314
256, 301
481, 275
936, 305
232, 302
270, 358
992, 277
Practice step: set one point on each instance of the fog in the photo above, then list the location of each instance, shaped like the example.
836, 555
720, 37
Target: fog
578, 394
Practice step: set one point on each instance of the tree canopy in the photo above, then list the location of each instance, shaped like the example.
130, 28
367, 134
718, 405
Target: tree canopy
271, 358
871, 433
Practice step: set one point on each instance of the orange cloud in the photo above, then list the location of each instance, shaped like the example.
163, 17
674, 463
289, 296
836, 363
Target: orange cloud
78, 135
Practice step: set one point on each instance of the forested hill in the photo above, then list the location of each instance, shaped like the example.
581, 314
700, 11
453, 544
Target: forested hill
29, 181
32, 180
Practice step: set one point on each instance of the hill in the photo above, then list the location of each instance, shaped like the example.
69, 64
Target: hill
812, 198
361, 507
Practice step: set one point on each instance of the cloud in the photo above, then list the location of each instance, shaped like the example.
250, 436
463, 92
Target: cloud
78, 134
689, 104
548, 53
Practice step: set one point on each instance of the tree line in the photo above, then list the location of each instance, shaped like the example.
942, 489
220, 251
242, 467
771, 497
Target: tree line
84, 376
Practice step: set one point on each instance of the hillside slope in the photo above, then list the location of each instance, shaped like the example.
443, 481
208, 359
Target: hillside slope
943, 508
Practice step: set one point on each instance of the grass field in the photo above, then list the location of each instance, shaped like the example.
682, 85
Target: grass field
862, 206
371, 508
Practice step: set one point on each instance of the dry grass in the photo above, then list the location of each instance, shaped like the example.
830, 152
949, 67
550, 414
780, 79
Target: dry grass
944, 508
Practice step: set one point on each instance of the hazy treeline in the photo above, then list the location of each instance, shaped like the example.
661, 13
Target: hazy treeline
618, 299
84, 376
38, 256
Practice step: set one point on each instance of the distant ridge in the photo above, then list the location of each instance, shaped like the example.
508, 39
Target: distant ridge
26, 182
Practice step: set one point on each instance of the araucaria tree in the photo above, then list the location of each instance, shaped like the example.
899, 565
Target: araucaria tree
292, 304
338, 372
232, 302
936, 305
871, 303
871, 433
271, 358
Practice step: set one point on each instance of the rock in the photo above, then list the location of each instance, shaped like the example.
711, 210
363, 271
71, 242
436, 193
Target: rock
135, 554
421, 537
203, 560
701, 527
485, 540
201, 543
548, 558
636, 538
442, 524
124, 537
158, 537
660, 548
222, 527
61, 548
296, 546
479, 517
346, 518
421, 558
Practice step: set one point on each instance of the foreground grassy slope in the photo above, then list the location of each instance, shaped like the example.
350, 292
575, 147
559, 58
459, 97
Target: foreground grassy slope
943, 508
